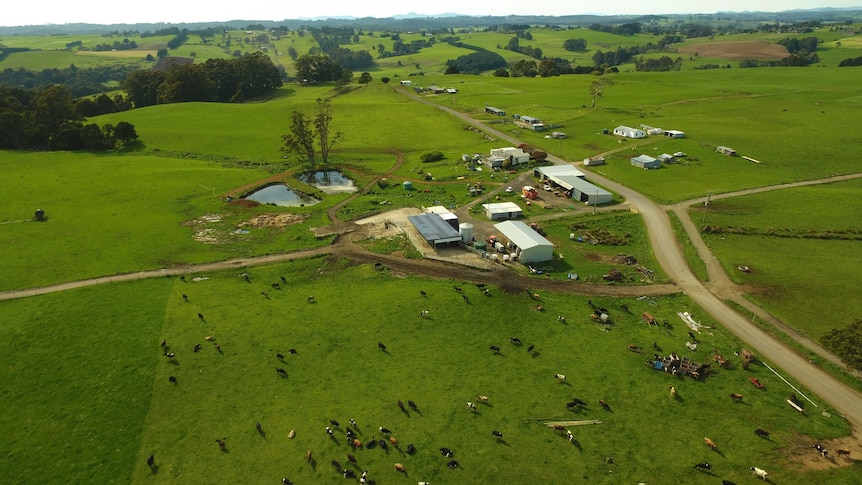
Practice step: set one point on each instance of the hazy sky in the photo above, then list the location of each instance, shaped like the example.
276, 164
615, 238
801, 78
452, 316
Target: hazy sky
107, 12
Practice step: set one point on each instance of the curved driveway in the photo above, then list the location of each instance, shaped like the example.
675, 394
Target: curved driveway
842, 398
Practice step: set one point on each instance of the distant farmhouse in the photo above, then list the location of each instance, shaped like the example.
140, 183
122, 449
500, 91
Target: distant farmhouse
529, 123
514, 155
502, 211
730, 152
572, 181
629, 132
495, 111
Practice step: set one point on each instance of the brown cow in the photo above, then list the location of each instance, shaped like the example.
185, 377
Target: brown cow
308, 456
710, 443
843, 452
736, 397
393, 441
399, 467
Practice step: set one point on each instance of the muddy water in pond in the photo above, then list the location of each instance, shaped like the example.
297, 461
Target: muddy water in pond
281, 195
329, 181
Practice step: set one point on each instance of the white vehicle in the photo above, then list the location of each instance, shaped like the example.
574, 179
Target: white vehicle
509, 190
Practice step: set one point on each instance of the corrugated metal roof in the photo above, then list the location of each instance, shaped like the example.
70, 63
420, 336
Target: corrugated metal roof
434, 229
521, 235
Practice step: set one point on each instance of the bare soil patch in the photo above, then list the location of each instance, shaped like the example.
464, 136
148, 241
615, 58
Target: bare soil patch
273, 220
801, 454
736, 50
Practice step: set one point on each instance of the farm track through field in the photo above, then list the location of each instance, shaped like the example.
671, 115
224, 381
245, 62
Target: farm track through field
710, 297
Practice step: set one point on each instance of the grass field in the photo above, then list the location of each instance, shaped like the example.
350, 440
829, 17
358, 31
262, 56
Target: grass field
797, 278
107, 366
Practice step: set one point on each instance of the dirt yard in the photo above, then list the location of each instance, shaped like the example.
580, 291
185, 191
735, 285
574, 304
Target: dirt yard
736, 50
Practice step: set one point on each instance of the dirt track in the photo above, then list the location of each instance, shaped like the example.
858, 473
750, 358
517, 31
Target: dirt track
845, 400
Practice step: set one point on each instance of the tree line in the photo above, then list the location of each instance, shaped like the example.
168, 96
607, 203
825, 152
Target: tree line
81, 82
48, 119
219, 80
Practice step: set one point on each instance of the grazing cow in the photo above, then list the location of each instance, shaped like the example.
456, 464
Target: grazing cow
350, 433
382, 444
311, 299
411, 449
579, 402
561, 319
151, 461
197, 348
276, 286
471, 406
727, 482
356, 443
183, 278
703, 466
560, 377
446, 452
466, 300
210, 338
756, 382
259, 427
399, 467
291, 351
843, 452
283, 279
763, 434
570, 436
482, 399
498, 434
424, 313
329, 431
348, 473
821, 450
672, 392
710, 443
201, 316
571, 404
185, 297
353, 423
494, 349
286, 481
539, 308
691, 336
334, 423
759, 472
423, 293
381, 346
291, 434
265, 294
308, 456
634, 348
217, 346
172, 379
393, 441
736, 396
453, 464
384, 430
221, 444
351, 458
279, 356
281, 372
559, 427
401, 405
412, 405
336, 464
371, 444
515, 340
605, 405
458, 289
530, 348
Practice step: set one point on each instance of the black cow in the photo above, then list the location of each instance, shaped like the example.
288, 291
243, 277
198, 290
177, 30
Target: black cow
494, 348
498, 434
291, 351
221, 444
279, 356
384, 430
530, 348
151, 461
334, 423
515, 340
605, 405
412, 405
401, 405
703, 466
172, 379
381, 346
348, 473
351, 458
258, 427
452, 464
411, 449
336, 464
446, 452
762, 433
382, 444
281, 372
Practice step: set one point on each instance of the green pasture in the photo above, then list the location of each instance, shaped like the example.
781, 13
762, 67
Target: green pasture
39, 60
799, 279
695, 263
92, 399
118, 214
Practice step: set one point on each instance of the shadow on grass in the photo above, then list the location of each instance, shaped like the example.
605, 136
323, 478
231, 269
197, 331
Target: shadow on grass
501, 441
535, 355
154, 469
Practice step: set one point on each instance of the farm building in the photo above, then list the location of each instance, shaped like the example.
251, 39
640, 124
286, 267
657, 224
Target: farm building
730, 152
502, 211
666, 158
629, 132
530, 123
406, 83
593, 161
445, 214
572, 181
645, 162
434, 229
558, 135
437, 89
674, 133
494, 111
515, 155
530, 246
652, 130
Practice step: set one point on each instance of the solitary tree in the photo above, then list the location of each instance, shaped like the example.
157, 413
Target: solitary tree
300, 140
322, 120
597, 88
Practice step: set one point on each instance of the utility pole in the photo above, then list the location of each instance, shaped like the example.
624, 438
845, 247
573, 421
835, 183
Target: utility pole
706, 205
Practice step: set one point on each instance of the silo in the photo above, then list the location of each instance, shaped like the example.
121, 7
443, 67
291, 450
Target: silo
466, 231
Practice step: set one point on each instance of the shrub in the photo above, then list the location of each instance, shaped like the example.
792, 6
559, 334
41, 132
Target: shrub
432, 157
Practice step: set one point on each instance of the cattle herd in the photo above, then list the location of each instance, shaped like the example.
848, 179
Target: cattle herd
352, 435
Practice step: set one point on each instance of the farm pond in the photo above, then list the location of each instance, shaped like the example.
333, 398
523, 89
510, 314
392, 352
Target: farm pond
328, 181
280, 195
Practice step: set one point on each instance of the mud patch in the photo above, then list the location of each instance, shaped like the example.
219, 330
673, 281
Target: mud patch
283, 219
801, 454
736, 50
